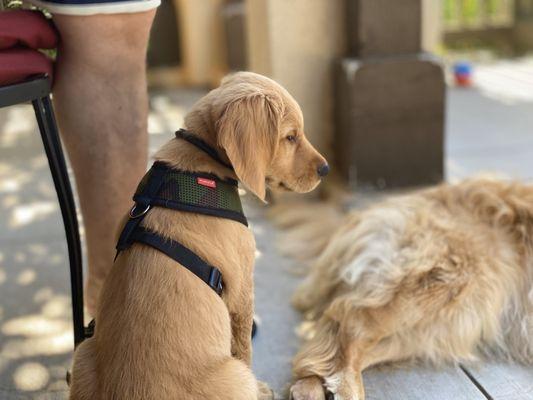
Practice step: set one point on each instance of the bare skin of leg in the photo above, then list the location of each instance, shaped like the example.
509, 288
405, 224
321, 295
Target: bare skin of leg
101, 103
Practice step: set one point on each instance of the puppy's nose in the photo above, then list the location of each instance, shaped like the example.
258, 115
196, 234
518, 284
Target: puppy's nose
323, 170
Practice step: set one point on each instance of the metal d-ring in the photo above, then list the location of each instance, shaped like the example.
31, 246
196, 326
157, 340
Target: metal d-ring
134, 214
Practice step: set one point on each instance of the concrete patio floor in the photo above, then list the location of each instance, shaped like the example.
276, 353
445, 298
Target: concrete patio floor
486, 130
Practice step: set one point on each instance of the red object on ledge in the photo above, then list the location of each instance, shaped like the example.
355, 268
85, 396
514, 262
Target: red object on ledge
463, 74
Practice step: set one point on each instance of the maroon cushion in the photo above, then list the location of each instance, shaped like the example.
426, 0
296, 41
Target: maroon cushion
26, 28
19, 64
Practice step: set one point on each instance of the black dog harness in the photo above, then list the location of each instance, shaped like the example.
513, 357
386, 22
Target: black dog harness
186, 191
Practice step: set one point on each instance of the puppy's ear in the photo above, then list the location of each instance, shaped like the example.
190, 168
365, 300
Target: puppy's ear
248, 131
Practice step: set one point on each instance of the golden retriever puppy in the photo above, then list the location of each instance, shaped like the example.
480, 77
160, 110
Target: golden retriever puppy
441, 275
161, 332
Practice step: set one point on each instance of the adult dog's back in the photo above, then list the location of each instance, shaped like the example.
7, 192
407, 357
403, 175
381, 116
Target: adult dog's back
443, 274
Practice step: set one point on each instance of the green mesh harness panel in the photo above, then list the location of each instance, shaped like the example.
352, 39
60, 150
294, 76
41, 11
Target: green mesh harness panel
195, 192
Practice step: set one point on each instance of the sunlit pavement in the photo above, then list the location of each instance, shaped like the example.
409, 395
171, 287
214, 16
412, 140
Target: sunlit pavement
489, 128
35, 324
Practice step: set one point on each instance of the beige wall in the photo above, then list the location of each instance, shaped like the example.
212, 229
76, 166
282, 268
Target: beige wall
202, 41
296, 42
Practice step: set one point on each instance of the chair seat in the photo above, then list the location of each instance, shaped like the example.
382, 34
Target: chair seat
26, 28
22, 32
19, 64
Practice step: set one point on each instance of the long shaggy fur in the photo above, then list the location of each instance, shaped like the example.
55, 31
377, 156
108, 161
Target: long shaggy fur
442, 275
307, 225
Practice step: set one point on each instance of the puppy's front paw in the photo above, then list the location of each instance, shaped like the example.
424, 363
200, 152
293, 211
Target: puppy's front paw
265, 393
308, 389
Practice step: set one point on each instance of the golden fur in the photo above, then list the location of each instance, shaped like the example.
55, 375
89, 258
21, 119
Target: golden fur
161, 332
441, 275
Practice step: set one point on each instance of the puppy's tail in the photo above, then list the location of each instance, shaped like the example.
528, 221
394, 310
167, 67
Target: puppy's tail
307, 227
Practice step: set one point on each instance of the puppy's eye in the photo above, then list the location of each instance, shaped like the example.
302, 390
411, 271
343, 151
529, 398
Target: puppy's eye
291, 138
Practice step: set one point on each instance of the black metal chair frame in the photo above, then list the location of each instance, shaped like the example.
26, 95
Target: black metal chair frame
37, 90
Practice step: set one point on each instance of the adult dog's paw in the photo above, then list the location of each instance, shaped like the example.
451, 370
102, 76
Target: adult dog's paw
345, 385
265, 393
308, 389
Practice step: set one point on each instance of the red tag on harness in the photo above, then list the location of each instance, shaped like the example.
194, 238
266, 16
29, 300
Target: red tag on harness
207, 182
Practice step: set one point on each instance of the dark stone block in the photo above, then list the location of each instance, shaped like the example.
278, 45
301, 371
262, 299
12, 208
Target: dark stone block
233, 15
390, 121
383, 27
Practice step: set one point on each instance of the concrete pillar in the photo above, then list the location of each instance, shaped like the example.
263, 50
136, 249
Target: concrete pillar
295, 42
390, 121
383, 27
389, 99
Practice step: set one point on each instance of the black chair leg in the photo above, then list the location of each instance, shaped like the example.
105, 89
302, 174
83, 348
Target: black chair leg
52, 146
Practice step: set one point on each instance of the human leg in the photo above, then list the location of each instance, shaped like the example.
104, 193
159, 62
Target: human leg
101, 104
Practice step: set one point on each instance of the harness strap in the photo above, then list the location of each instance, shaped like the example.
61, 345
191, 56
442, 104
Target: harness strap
195, 192
133, 232
139, 210
190, 260
196, 141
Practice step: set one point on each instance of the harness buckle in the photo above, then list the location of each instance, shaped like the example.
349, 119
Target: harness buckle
215, 280
134, 213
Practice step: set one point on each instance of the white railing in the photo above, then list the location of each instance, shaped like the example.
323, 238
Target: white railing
461, 15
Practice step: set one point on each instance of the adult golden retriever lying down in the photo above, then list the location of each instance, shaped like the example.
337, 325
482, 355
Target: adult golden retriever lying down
441, 275
161, 332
